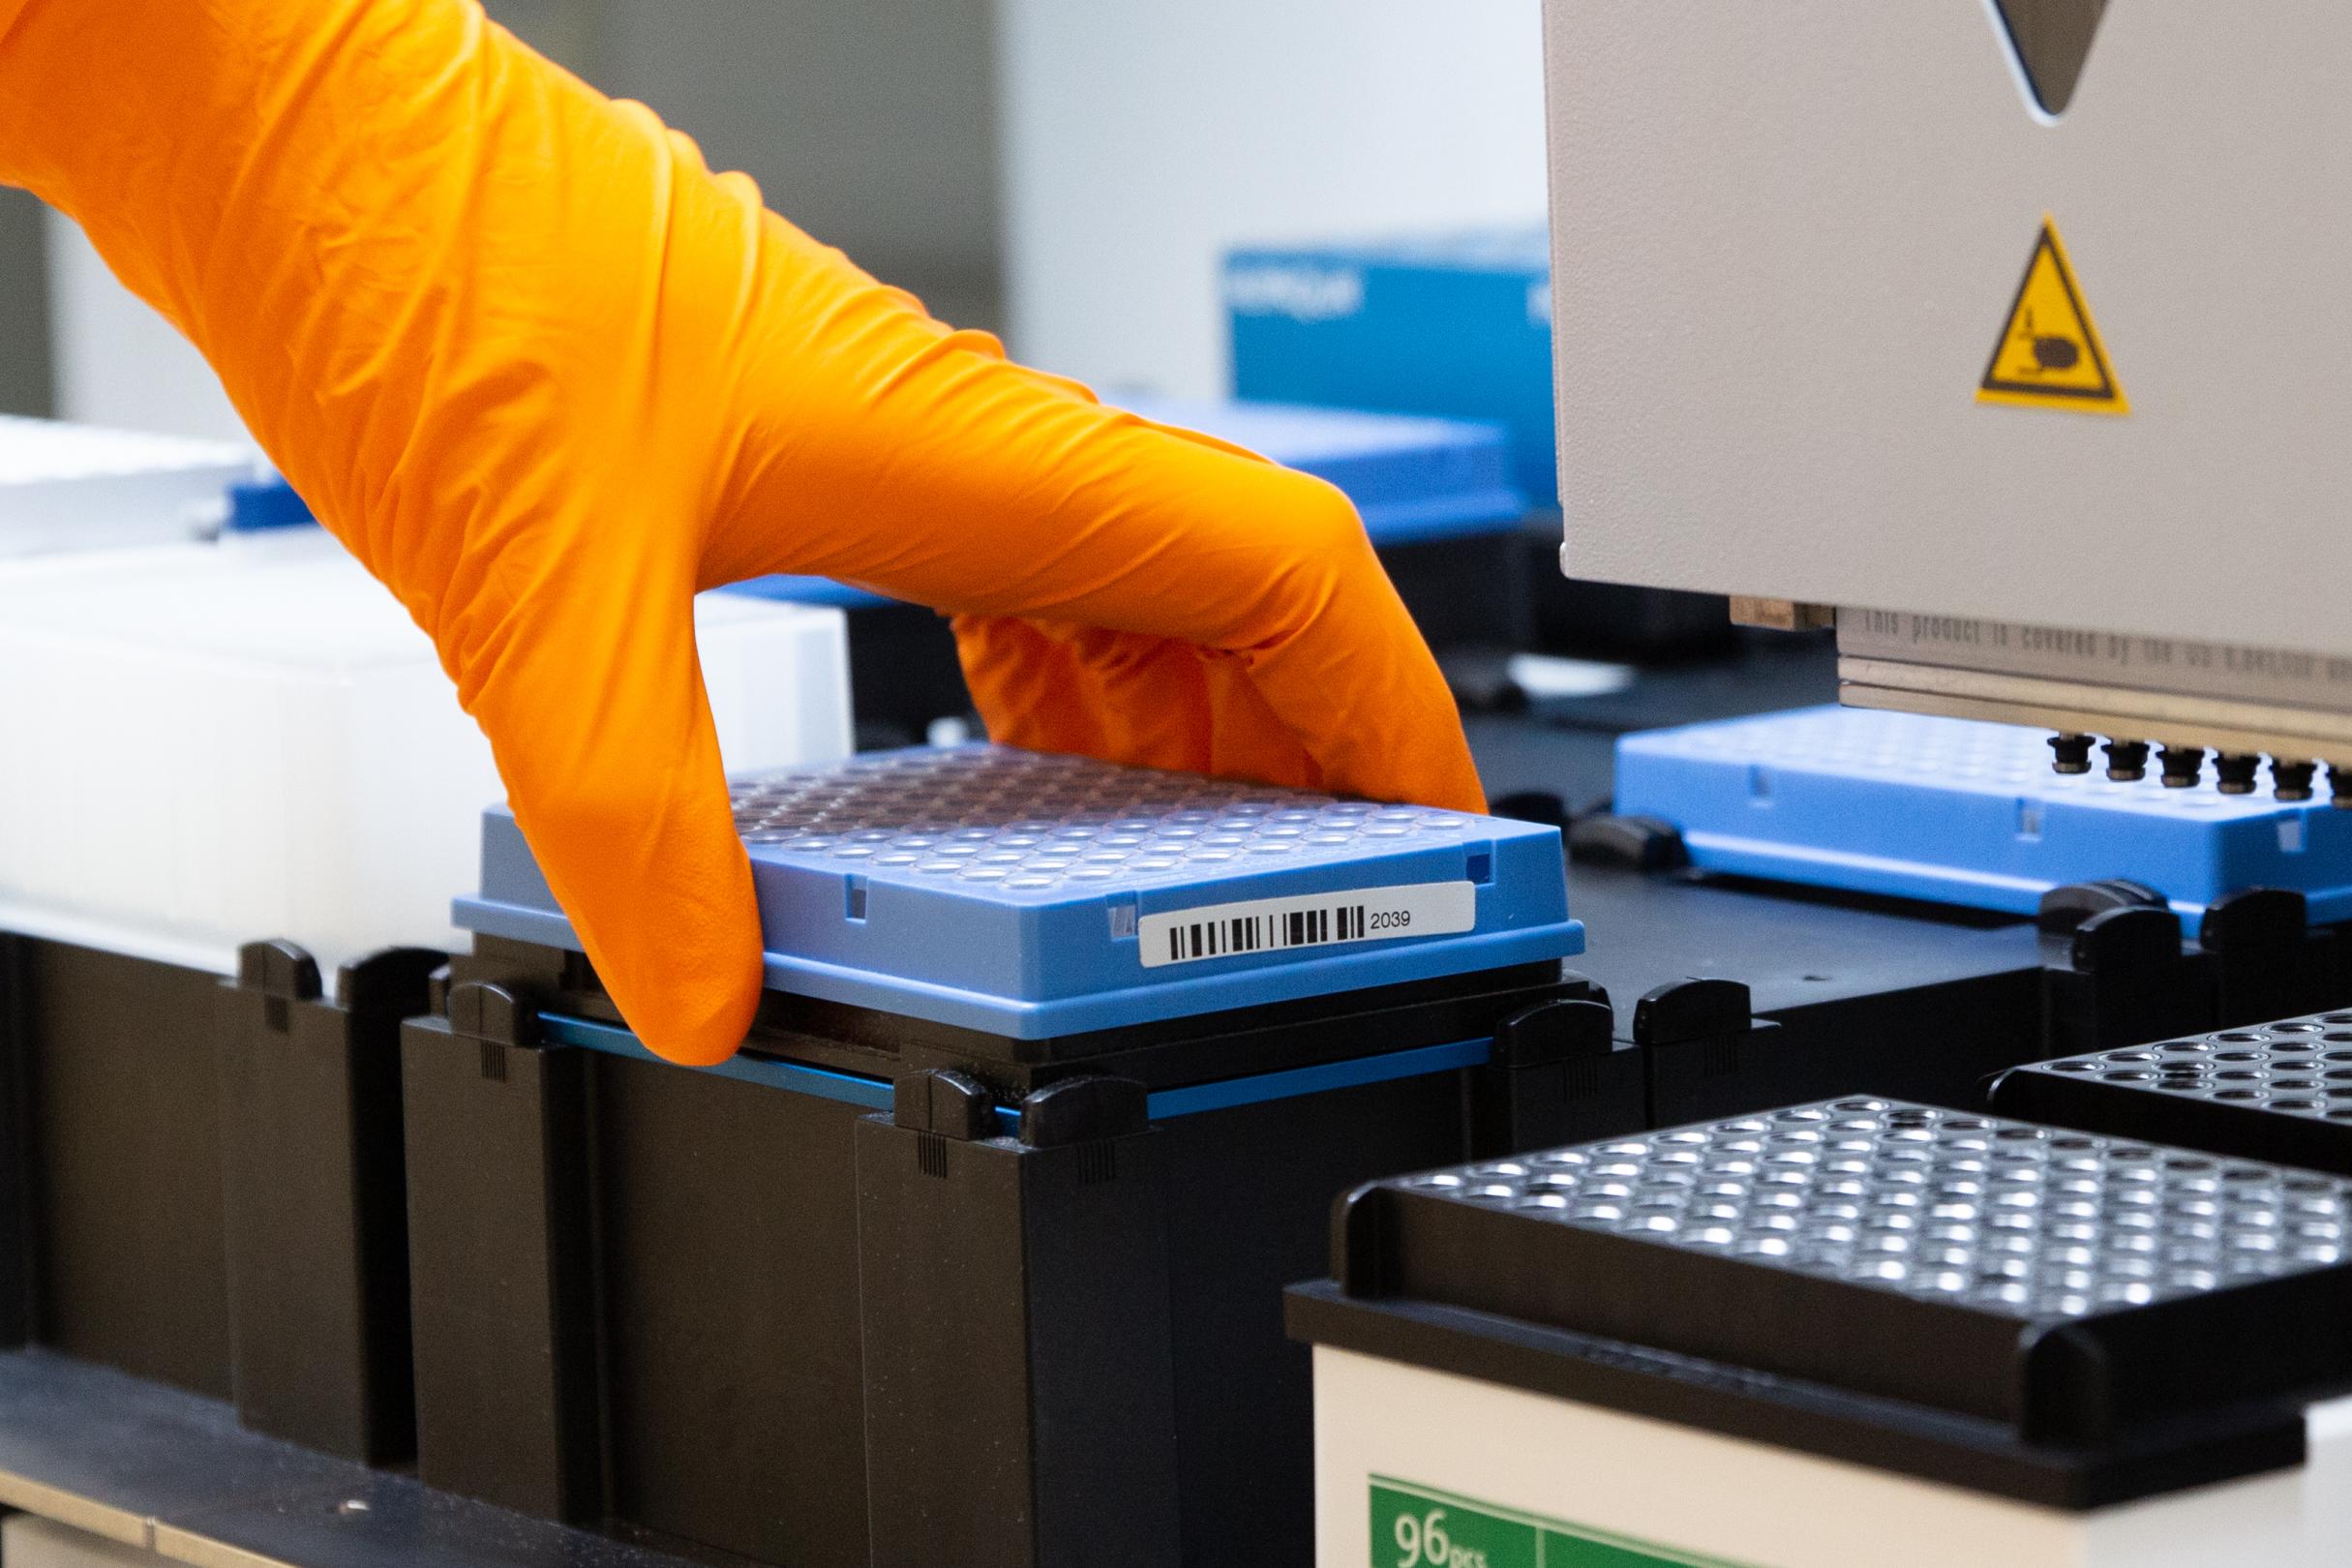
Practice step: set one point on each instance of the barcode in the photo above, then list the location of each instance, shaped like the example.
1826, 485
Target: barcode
1306, 921
1266, 933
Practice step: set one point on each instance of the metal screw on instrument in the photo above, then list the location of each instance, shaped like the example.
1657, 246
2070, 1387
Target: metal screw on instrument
2183, 766
2069, 753
2292, 781
2127, 761
2234, 773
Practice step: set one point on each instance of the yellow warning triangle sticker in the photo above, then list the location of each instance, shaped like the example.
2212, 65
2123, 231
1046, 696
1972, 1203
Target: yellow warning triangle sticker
2049, 356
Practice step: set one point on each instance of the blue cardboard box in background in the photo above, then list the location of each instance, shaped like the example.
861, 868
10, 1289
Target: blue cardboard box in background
1457, 325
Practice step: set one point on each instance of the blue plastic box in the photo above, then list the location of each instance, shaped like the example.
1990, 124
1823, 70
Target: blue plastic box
1458, 325
1033, 896
258, 505
1959, 812
1412, 479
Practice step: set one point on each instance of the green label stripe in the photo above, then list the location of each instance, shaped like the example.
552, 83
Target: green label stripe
1417, 1526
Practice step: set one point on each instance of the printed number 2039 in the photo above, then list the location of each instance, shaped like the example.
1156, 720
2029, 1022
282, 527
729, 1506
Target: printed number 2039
1424, 1541
1391, 920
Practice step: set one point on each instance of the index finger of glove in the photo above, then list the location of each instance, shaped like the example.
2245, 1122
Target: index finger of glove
946, 476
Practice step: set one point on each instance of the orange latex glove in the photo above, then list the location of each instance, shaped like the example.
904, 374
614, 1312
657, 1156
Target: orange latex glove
548, 376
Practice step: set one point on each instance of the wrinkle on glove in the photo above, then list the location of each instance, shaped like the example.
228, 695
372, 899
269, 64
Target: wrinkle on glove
547, 375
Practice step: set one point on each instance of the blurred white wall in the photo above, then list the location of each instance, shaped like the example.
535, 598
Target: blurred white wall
1142, 141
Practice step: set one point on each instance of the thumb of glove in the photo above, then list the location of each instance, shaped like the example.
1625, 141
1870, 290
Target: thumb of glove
591, 691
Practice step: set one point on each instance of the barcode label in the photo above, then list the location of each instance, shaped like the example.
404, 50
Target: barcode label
1190, 936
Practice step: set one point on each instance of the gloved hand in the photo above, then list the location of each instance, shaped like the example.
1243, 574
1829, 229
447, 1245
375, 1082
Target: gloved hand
548, 376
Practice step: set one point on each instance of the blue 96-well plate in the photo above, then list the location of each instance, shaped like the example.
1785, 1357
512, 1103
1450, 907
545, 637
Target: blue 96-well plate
1033, 896
1960, 812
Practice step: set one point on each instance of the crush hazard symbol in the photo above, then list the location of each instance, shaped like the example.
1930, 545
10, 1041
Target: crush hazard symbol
2049, 356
